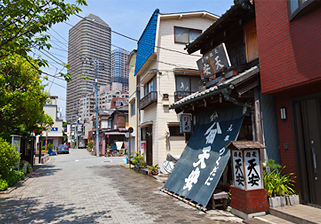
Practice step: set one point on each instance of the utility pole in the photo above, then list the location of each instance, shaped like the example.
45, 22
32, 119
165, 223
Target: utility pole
77, 126
96, 101
86, 60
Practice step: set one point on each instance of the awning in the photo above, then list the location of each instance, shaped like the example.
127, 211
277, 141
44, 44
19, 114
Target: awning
198, 171
115, 133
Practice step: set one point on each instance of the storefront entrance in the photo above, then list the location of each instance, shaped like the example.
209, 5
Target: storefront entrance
307, 126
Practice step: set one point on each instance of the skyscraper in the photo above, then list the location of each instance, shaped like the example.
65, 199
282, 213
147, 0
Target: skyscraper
89, 39
119, 68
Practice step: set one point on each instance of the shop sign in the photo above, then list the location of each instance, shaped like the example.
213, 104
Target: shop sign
214, 62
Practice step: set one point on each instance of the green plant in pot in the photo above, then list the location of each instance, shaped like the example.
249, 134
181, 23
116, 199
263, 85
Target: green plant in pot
277, 183
153, 169
138, 161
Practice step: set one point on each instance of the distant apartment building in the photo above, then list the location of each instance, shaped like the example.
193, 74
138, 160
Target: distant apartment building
89, 42
119, 68
107, 99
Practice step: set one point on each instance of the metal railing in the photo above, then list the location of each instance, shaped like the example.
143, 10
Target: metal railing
147, 100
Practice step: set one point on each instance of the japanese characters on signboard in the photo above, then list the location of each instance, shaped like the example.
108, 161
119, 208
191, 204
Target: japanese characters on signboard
186, 123
253, 171
238, 169
198, 171
214, 61
252, 178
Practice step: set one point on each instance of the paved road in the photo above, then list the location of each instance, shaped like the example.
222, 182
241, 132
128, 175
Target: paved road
80, 188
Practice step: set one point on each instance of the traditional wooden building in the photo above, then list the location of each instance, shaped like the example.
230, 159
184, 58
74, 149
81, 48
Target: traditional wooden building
228, 107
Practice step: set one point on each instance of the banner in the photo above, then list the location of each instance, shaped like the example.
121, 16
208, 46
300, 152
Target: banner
198, 171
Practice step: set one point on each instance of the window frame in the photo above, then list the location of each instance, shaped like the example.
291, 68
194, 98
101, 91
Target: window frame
189, 29
190, 77
175, 134
303, 7
132, 108
147, 87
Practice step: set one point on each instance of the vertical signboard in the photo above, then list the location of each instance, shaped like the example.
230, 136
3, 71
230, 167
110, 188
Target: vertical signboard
185, 123
253, 171
238, 169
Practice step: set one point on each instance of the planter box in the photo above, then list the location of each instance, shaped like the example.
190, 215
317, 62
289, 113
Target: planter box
292, 199
281, 201
278, 201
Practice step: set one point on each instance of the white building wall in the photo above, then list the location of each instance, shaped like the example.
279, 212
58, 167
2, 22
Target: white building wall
158, 113
166, 81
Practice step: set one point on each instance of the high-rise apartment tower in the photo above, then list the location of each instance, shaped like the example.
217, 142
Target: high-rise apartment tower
89, 40
119, 68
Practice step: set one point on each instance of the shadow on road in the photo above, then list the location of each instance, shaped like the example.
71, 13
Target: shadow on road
29, 210
45, 170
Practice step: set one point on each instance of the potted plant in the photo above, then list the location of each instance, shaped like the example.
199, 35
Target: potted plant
153, 170
138, 161
279, 186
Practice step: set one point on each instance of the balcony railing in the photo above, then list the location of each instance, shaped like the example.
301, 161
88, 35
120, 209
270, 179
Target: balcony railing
181, 94
147, 100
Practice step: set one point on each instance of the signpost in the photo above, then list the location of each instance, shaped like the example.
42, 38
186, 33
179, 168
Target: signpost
130, 130
248, 194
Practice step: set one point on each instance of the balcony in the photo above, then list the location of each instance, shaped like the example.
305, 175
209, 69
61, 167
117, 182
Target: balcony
181, 94
147, 100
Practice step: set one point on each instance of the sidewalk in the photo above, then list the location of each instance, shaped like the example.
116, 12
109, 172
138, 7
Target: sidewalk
301, 214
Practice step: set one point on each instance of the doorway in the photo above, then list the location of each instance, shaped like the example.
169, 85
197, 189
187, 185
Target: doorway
147, 137
307, 129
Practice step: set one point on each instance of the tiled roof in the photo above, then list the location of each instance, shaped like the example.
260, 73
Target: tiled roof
245, 145
210, 91
146, 43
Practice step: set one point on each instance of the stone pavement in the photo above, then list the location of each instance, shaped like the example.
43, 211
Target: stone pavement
80, 188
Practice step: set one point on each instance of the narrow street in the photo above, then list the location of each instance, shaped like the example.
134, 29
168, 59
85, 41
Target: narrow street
81, 188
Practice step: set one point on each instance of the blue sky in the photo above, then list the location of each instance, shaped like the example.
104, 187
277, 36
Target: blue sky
128, 17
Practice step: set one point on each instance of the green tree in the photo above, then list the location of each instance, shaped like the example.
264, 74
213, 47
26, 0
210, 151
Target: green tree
22, 98
24, 22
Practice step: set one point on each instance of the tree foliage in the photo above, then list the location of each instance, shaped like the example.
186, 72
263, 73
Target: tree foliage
24, 22
22, 98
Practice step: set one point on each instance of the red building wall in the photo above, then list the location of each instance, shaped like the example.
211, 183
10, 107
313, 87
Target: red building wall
289, 51
290, 63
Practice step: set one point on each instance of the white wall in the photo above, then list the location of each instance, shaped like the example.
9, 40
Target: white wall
159, 114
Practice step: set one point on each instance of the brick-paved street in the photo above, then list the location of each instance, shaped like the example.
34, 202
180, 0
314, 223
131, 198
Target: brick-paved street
80, 188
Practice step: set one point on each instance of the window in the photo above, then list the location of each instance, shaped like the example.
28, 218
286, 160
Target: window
185, 35
150, 86
175, 131
187, 83
300, 7
132, 108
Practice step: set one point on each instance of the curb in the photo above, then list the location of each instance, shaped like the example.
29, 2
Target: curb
20, 182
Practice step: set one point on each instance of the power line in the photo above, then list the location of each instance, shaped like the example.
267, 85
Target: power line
133, 39
59, 49
57, 39
59, 34
167, 63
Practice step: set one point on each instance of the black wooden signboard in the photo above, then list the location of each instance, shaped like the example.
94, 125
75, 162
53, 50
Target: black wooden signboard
214, 61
